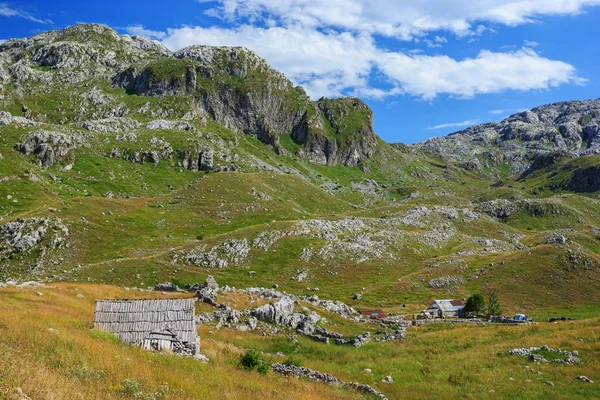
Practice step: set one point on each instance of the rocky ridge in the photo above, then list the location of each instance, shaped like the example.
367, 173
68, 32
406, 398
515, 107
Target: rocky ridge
526, 140
231, 86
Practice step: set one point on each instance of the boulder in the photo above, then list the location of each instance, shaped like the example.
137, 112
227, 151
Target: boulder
278, 313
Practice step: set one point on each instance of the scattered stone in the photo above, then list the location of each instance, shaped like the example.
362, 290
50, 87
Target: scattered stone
312, 375
357, 296
19, 395
387, 379
566, 357
48, 146
167, 287
39, 293
300, 276
208, 291
359, 341
391, 336
584, 378
446, 281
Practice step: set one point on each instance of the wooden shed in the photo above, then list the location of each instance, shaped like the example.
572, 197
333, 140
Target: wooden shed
152, 324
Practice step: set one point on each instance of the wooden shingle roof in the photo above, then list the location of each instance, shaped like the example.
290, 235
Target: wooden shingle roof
133, 320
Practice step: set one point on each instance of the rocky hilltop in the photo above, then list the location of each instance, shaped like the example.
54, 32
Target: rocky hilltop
529, 139
230, 86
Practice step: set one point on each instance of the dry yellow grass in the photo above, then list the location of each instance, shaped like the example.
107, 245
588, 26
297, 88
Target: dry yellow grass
437, 361
77, 362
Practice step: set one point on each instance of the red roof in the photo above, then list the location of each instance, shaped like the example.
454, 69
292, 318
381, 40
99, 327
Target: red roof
373, 313
457, 303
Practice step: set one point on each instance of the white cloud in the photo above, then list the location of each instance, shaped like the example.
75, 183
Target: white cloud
324, 63
139, 30
329, 47
496, 112
335, 63
7, 11
462, 124
530, 43
400, 18
489, 72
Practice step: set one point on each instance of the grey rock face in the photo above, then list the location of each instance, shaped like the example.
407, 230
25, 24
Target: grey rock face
48, 146
277, 313
208, 291
161, 124
350, 139
111, 125
6, 119
230, 251
521, 139
26, 234
230, 85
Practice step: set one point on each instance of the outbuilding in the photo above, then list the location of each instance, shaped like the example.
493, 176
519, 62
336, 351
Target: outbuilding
167, 325
445, 309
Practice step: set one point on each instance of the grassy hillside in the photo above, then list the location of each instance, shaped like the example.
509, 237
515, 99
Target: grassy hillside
49, 349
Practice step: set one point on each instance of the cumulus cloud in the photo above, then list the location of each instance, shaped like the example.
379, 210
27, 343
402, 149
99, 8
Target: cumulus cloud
334, 63
496, 112
331, 47
7, 11
461, 124
139, 30
400, 18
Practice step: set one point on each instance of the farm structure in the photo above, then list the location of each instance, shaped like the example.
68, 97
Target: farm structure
443, 309
167, 325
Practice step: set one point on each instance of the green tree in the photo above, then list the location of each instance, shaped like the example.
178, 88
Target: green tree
475, 304
493, 305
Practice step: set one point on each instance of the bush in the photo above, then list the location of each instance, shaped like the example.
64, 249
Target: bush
263, 368
493, 306
475, 304
251, 361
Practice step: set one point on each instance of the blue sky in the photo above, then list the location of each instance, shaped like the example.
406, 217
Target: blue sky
426, 67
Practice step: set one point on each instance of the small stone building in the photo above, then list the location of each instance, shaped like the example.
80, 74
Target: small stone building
151, 324
443, 309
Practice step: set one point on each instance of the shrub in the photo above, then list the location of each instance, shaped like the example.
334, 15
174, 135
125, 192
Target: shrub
251, 361
493, 306
263, 368
475, 304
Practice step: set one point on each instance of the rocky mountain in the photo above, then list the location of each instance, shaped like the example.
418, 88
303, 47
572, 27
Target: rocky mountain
129, 171
230, 86
174, 163
527, 140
